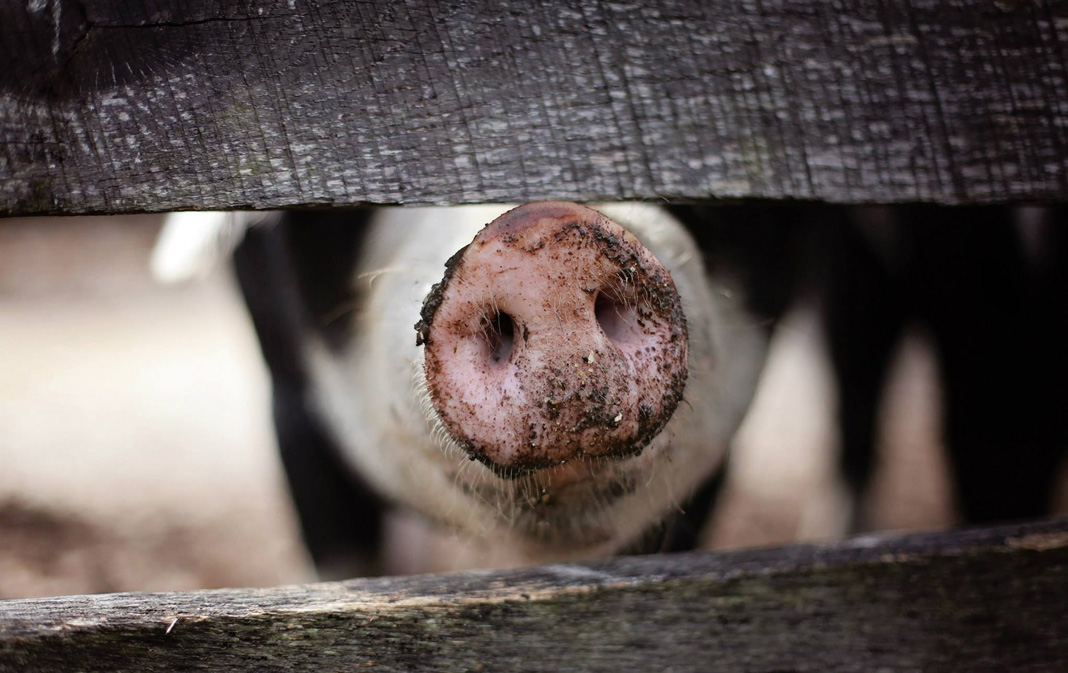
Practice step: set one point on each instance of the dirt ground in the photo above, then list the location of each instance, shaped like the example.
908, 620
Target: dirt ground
136, 451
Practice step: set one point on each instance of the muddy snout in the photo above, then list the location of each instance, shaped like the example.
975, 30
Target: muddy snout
554, 335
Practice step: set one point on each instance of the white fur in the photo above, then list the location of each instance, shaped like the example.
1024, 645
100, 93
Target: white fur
374, 395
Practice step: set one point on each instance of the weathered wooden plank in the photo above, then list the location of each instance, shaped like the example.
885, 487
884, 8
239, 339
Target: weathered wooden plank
978, 600
132, 106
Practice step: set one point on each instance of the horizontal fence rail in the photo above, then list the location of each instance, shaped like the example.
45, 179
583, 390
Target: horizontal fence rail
978, 600
175, 104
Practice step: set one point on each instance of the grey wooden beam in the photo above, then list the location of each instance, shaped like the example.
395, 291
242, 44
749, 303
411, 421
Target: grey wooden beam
977, 600
149, 106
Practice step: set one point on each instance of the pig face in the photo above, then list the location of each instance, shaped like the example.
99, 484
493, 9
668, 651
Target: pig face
558, 393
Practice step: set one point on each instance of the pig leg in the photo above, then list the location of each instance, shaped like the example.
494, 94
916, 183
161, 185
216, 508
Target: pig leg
864, 314
759, 249
997, 323
1001, 358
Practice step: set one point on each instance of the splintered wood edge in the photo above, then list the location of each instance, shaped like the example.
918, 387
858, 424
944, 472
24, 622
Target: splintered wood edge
938, 599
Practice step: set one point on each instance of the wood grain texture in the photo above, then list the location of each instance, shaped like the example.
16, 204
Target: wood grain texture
150, 106
977, 600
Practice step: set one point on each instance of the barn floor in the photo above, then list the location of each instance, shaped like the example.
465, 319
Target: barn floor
136, 451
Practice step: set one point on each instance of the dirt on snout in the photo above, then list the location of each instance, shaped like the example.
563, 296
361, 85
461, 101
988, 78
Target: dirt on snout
554, 335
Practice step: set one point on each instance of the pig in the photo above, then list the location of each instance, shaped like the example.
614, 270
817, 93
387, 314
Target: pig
546, 382
391, 347
988, 286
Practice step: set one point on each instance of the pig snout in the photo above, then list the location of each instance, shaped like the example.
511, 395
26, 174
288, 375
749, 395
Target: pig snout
554, 335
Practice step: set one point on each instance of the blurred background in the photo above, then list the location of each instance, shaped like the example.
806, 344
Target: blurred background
136, 451
135, 445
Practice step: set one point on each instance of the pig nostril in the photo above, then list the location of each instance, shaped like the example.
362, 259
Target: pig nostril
499, 331
615, 317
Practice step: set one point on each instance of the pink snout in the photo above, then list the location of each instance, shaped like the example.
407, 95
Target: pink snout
554, 335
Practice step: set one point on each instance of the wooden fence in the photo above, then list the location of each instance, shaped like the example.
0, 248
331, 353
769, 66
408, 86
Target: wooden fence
175, 104
974, 600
